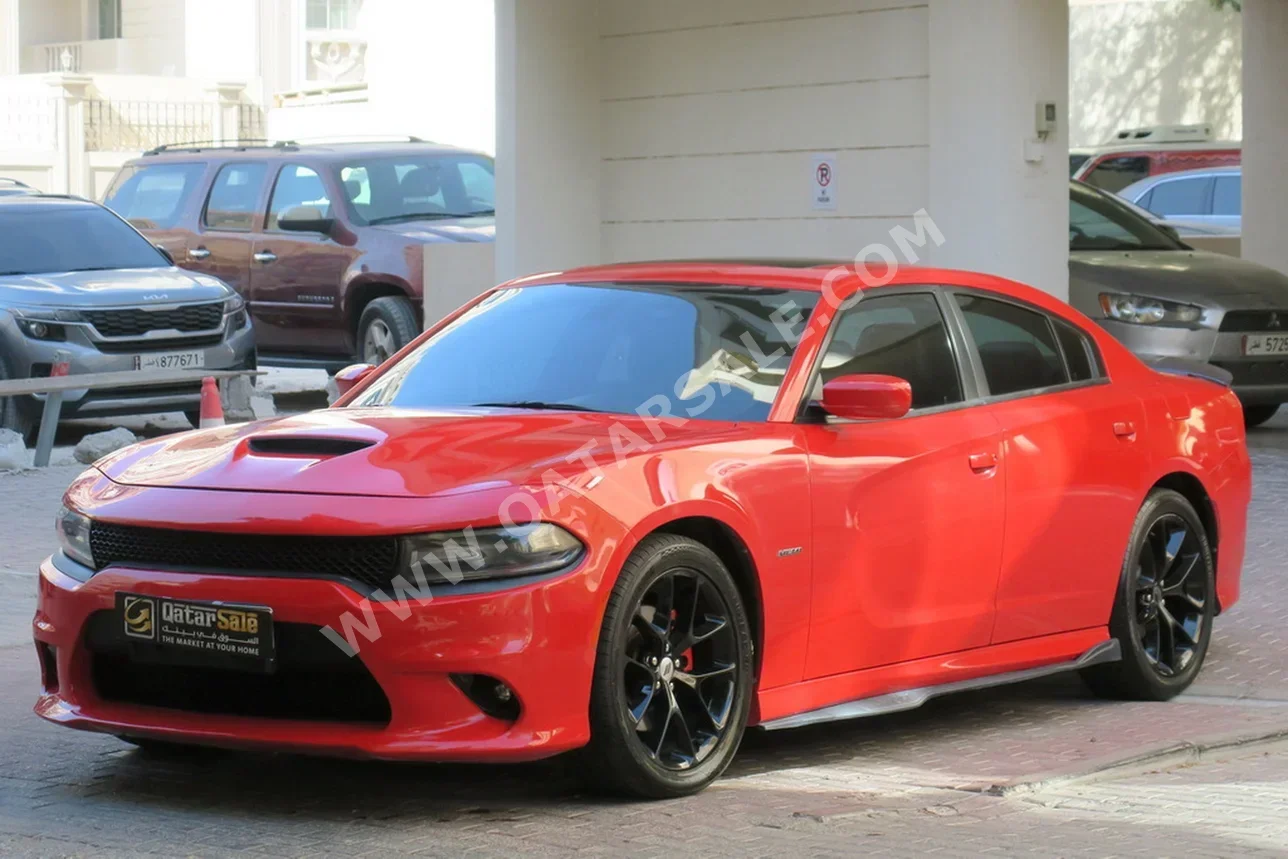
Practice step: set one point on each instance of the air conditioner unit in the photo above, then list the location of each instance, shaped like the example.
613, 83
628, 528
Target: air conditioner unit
1201, 133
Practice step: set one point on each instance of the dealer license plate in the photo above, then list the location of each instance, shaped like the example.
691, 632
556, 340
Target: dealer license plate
1265, 344
218, 635
170, 361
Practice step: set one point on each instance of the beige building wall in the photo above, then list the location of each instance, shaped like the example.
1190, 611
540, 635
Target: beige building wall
1153, 62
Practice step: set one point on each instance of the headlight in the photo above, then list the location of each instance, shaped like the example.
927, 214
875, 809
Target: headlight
1139, 310
488, 553
234, 303
73, 536
47, 314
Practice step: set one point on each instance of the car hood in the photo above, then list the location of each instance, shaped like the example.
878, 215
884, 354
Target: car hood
131, 286
479, 229
1196, 277
388, 452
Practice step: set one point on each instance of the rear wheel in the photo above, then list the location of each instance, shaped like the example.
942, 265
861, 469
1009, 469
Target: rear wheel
387, 324
1255, 416
1166, 600
672, 684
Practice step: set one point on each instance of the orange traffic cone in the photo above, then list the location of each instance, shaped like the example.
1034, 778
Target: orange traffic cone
212, 411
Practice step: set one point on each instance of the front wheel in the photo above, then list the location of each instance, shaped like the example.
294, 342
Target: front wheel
673, 673
1166, 601
1255, 416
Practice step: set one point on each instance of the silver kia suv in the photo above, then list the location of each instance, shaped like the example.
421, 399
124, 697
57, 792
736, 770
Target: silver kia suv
76, 279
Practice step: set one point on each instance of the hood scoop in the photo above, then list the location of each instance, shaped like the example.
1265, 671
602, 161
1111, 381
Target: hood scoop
319, 447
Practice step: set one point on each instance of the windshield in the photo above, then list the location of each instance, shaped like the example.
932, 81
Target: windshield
415, 187
1099, 222
713, 352
57, 238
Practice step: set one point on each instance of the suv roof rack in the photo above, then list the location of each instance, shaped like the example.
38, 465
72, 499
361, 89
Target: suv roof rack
14, 182
363, 138
202, 145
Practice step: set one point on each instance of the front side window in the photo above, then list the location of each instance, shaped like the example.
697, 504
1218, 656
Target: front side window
1114, 174
151, 196
231, 205
706, 352
1017, 347
1098, 222
1177, 197
419, 187
895, 335
58, 238
297, 185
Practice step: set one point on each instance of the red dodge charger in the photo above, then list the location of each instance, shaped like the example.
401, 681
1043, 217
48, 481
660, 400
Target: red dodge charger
631, 510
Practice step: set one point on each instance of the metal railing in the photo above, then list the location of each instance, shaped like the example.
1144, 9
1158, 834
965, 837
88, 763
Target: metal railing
117, 126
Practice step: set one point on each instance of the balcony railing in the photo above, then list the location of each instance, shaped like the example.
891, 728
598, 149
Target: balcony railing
113, 125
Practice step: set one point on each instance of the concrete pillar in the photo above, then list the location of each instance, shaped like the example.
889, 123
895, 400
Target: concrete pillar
10, 42
999, 194
1265, 132
548, 135
71, 170
225, 125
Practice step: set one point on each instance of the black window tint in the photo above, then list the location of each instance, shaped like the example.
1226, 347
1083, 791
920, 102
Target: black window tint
1077, 352
1180, 197
231, 205
896, 335
297, 185
1016, 346
152, 196
1114, 174
1227, 199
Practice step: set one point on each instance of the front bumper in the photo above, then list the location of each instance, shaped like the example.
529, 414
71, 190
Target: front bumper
531, 638
1261, 380
28, 357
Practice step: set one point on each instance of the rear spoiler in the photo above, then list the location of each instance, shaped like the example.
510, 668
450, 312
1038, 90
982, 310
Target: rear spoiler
1193, 369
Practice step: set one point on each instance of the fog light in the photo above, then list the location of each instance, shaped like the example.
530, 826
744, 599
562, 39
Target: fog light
490, 695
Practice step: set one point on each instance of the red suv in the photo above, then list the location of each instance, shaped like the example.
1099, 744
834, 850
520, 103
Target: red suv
323, 241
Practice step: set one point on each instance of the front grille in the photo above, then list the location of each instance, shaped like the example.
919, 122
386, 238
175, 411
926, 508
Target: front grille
141, 346
1255, 320
312, 679
368, 561
1256, 372
137, 321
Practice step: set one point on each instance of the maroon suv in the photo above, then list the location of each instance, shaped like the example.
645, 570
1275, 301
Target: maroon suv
323, 241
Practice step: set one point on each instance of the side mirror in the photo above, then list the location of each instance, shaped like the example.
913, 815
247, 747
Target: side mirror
348, 378
305, 219
165, 252
1171, 231
867, 397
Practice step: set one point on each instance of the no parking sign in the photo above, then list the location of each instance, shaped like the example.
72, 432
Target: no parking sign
823, 181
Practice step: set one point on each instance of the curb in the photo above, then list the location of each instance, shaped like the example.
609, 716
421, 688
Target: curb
1186, 752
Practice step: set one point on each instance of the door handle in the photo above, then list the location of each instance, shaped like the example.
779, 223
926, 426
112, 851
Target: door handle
265, 257
198, 253
982, 462
1125, 429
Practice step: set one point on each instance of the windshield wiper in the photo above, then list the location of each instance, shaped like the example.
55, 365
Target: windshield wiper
535, 404
419, 216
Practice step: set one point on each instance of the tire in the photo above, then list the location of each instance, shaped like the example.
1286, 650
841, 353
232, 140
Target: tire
15, 412
659, 728
387, 324
1255, 416
1160, 665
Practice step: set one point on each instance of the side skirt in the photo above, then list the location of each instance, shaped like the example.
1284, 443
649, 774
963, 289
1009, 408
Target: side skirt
911, 699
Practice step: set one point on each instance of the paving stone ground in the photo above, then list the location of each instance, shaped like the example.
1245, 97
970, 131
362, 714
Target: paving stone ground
938, 781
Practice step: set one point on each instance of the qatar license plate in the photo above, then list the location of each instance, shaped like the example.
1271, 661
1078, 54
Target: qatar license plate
1265, 344
170, 361
216, 635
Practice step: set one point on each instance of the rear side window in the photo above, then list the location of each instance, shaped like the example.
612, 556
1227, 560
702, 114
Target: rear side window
231, 205
896, 335
1227, 199
1078, 352
1180, 197
1016, 346
152, 196
1114, 174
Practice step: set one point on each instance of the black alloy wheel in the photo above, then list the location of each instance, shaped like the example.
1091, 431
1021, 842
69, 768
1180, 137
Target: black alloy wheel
672, 685
1164, 610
